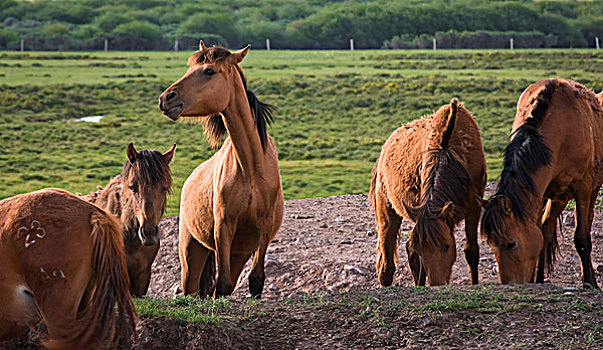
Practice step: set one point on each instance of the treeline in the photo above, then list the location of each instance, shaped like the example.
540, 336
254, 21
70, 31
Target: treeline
297, 24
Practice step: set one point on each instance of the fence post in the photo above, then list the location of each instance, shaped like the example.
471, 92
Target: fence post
435, 47
267, 44
351, 44
511, 43
22, 45
106, 45
597, 43
175, 44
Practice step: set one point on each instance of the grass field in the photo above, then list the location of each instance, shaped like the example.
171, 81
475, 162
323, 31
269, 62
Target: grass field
335, 109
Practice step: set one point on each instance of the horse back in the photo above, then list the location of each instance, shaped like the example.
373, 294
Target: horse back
570, 120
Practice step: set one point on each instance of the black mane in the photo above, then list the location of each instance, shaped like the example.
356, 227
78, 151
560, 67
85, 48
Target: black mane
446, 179
525, 154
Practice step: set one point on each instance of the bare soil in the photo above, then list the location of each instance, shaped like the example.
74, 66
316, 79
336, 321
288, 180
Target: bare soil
321, 292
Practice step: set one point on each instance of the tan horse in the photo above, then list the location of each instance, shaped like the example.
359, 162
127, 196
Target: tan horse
137, 197
62, 260
233, 203
554, 155
429, 171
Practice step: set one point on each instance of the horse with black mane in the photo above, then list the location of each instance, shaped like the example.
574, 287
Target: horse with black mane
429, 171
554, 155
232, 204
137, 197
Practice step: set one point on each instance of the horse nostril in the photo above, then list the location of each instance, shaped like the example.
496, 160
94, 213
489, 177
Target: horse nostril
171, 96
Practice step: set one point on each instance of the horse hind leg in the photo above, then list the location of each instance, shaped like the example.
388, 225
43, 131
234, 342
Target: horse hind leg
582, 241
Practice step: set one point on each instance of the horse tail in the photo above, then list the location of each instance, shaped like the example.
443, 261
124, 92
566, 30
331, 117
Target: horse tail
450, 123
97, 322
371, 195
207, 282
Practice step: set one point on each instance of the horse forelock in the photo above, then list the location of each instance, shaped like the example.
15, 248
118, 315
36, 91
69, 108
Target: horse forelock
149, 169
214, 54
493, 221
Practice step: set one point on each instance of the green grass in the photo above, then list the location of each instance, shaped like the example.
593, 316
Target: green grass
335, 109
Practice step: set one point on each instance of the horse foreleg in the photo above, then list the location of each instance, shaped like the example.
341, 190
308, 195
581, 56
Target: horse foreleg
139, 269
414, 261
237, 263
585, 202
223, 235
471, 247
388, 225
193, 256
552, 211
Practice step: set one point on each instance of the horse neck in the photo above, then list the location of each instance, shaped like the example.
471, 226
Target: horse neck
114, 200
239, 122
128, 218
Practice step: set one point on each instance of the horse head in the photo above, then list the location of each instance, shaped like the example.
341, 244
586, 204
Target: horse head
205, 88
432, 238
516, 241
146, 181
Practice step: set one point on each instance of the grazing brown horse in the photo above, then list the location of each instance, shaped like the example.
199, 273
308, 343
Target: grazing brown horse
231, 204
429, 171
554, 155
137, 197
62, 261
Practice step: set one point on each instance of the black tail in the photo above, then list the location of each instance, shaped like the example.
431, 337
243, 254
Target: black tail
451, 121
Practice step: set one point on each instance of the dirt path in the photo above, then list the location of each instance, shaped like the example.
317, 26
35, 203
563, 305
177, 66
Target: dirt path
329, 245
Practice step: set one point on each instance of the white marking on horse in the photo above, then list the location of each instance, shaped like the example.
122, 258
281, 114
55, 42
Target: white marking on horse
36, 230
56, 273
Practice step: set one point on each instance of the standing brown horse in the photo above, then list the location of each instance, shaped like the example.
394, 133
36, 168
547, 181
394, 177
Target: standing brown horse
137, 197
62, 260
429, 172
233, 203
554, 155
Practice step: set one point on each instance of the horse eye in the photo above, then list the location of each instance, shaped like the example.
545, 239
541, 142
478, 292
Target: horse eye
164, 189
132, 188
511, 245
209, 72
446, 247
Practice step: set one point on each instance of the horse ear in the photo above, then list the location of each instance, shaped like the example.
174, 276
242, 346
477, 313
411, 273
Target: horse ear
447, 211
131, 153
238, 56
505, 204
170, 154
413, 212
202, 45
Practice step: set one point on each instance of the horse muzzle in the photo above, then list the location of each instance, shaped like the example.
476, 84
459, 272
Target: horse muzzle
149, 236
170, 104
